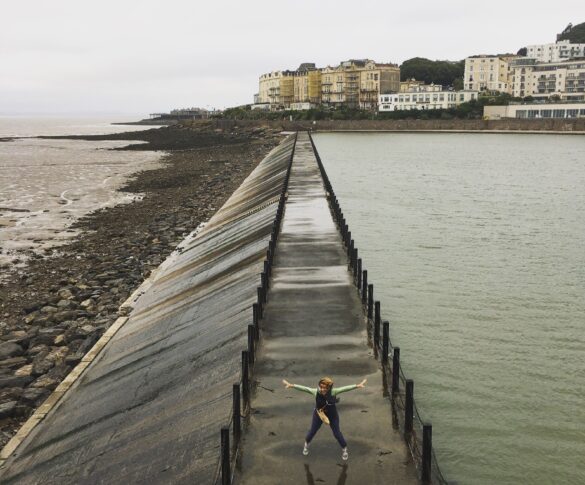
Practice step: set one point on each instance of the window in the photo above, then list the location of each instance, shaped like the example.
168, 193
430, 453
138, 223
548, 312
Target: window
532, 113
558, 113
546, 113
572, 113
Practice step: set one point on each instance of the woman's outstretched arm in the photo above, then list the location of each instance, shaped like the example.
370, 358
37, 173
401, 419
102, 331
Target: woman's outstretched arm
338, 390
298, 387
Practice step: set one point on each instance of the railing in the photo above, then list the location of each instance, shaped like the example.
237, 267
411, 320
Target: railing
242, 389
417, 433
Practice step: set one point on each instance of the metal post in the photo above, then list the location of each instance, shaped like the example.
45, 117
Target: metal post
260, 302
396, 371
385, 341
237, 412
409, 407
245, 380
370, 301
427, 447
251, 343
264, 284
364, 286
358, 273
255, 319
376, 326
226, 475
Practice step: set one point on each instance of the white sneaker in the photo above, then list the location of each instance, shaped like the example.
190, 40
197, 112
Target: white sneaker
306, 449
344, 454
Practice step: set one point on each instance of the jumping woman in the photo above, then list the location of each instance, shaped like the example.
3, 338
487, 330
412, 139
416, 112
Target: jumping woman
325, 410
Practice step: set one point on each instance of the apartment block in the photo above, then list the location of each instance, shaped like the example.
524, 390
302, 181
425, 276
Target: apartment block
488, 73
424, 97
356, 83
560, 51
541, 80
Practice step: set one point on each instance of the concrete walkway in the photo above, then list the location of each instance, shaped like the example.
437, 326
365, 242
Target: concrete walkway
314, 327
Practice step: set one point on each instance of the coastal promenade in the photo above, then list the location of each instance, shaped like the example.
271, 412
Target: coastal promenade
313, 327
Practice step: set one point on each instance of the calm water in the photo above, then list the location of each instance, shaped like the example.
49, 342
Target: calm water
476, 246
45, 185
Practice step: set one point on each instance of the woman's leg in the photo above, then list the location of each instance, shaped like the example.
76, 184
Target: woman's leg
315, 425
334, 421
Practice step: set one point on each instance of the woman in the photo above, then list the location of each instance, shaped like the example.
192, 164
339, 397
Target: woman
325, 410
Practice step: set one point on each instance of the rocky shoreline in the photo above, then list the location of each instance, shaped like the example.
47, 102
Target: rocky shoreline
54, 310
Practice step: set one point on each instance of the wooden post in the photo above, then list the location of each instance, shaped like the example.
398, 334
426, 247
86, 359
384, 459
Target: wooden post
408, 407
427, 448
245, 380
237, 413
260, 302
226, 474
251, 344
364, 286
356, 276
396, 371
370, 301
385, 341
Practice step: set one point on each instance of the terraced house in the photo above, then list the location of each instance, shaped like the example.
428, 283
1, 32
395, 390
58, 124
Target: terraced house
356, 83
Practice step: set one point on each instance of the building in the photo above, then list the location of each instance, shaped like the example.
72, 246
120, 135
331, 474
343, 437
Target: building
535, 111
564, 80
424, 97
561, 50
356, 83
488, 73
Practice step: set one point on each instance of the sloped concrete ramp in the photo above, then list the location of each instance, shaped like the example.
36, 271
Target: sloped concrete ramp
150, 407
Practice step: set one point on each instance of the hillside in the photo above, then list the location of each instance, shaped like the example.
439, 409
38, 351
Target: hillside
575, 34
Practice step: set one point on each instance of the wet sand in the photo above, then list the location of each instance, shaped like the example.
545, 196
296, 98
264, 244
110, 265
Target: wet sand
54, 309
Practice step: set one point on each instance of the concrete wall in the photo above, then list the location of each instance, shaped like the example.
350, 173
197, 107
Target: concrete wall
554, 125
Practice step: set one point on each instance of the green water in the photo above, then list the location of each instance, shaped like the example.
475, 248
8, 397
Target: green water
476, 246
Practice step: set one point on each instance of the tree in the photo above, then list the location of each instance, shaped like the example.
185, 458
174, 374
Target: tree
444, 73
575, 34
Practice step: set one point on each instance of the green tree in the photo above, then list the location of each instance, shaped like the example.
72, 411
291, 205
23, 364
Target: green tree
438, 72
575, 34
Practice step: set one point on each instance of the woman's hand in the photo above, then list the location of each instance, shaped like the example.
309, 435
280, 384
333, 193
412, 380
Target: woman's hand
287, 384
362, 384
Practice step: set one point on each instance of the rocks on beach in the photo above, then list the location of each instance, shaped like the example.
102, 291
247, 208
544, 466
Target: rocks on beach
56, 308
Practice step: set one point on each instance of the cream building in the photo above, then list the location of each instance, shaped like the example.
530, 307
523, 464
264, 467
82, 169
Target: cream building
488, 73
561, 50
356, 83
425, 97
565, 79
535, 111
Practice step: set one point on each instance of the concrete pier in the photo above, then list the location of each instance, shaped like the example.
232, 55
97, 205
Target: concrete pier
314, 327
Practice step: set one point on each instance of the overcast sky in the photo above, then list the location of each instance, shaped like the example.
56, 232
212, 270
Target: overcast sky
137, 57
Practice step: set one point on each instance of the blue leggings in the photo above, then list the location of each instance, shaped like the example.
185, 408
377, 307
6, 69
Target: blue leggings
331, 413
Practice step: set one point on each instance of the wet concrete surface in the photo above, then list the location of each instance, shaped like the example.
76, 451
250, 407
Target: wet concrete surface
313, 327
149, 409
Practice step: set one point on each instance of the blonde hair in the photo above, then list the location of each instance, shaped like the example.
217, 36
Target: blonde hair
327, 381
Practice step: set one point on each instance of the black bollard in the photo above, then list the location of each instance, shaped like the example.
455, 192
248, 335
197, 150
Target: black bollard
427, 448
237, 413
226, 475
396, 371
251, 344
385, 341
364, 286
255, 320
267, 271
245, 380
408, 407
370, 301
357, 279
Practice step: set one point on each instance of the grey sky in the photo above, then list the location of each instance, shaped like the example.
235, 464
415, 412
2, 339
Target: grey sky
130, 56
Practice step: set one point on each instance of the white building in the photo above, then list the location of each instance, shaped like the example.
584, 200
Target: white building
535, 111
424, 98
557, 52
487, 73
565, 80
